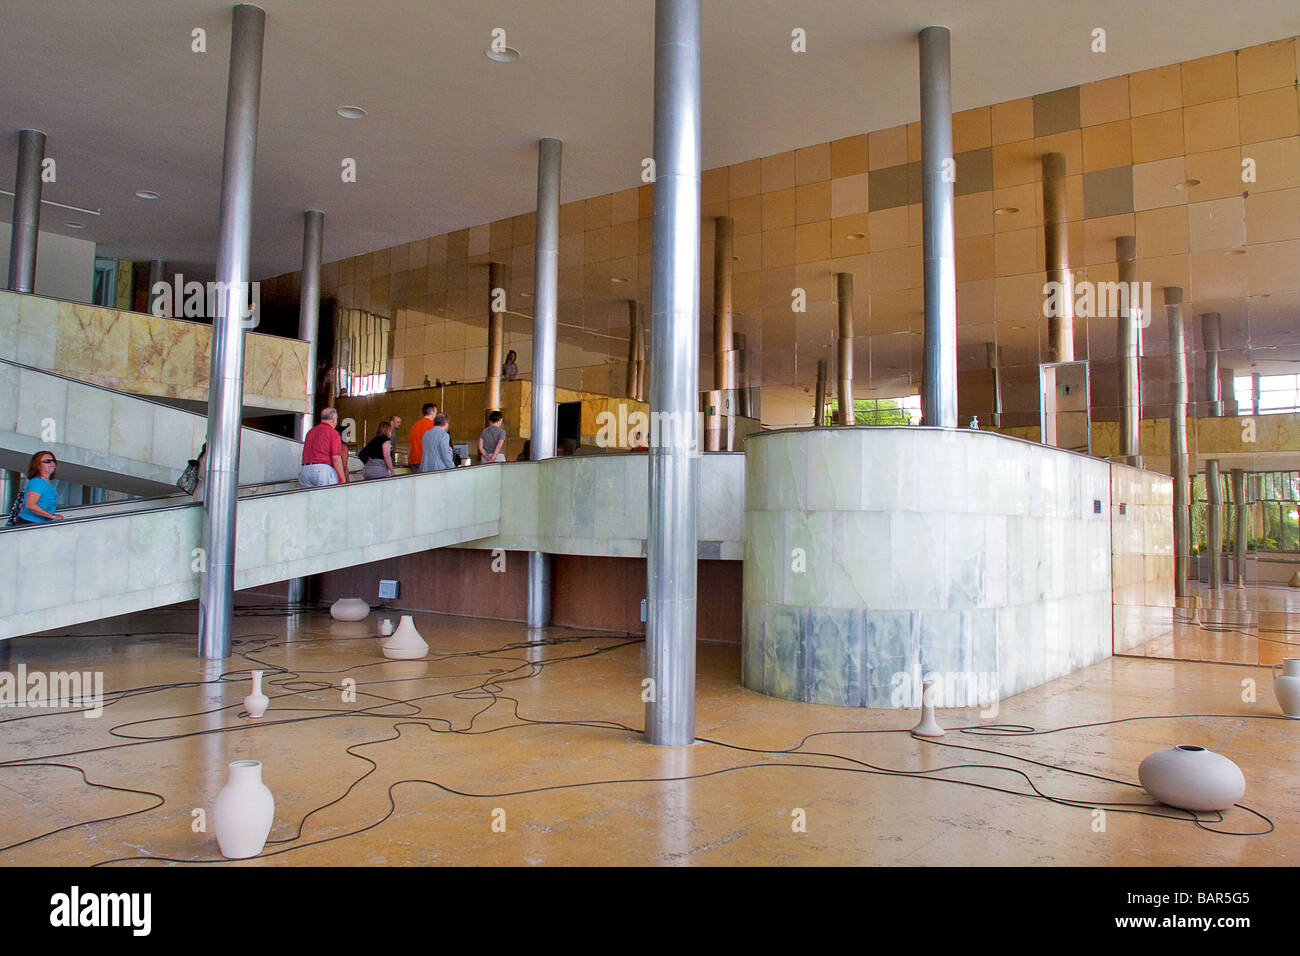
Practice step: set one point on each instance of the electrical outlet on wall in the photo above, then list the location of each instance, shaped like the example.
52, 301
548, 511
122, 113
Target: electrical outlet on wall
387, 589
643, 610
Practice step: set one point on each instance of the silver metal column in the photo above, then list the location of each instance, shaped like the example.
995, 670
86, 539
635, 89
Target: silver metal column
675, 319
633, 335
993, 355
157, 275
27, 211
939, 391
844, 370
1060, 326
496, 337
545, 293
313, 237
1213, 408
742, 405
819, 395
1228, 391
1214, 523
1178, 437
1238, 477
724, 354
1211, 324
225, 396
641, 371
1130, 408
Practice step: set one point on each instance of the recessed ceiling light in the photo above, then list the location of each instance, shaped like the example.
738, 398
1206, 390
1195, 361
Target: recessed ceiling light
507, 55
351, 112
1234, 252
735, 258
856, 235
1006, 210
1257, 295
525, 295
146, 194
75, 225
1187, 184
617, 279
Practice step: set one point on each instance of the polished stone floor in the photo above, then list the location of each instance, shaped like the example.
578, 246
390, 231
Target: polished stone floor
539, 736
1256, 624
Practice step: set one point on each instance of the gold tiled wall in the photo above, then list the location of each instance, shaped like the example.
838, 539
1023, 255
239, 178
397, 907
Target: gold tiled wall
1157, 154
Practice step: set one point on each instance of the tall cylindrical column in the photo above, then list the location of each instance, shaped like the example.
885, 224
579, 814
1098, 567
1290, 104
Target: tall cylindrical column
1214, 523
1130, 408
819, 395
1228, 391
157, 277
675, 326
1211, 325
545, 319
26, 226
1238, 476
742, 374
720, 401
313, 239
642, 373
1060, 324
1178, 437
225, 394
633, 336
844, 366
938, 168
993, 355
723, 346
496, 334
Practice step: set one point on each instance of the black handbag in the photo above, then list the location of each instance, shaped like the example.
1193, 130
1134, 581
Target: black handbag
189, 479
15, 509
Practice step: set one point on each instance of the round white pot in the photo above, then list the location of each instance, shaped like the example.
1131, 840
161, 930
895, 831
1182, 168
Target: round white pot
257, 702
1192, 778
406, 644
1287, 687
243, 812
349, 609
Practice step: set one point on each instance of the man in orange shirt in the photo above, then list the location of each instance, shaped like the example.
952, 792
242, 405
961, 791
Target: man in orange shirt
415, 441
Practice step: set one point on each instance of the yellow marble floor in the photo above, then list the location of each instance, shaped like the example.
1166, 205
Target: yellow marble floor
540, 738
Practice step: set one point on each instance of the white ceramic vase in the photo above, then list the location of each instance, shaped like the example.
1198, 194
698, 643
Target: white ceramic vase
406, 644
1286, 688
257, 702
1192, 778
243, 812
385, 628
349, 609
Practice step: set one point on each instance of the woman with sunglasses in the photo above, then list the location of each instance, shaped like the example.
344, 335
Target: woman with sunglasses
41, 498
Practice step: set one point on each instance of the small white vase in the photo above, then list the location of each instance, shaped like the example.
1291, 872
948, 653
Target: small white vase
257, 702
1286, 688
243, 812
406, 644
386, 628
1192, 778
349, 609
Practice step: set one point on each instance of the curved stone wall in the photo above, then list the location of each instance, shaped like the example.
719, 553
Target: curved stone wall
876, 556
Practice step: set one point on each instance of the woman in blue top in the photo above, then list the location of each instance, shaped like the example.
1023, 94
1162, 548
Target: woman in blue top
41, 499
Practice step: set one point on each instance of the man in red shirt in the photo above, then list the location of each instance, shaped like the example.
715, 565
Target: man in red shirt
416, 439
324, 460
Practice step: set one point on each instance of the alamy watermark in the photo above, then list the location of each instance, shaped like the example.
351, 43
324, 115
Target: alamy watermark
947, 689
179, 299
81, 690
1096, 300
638, 429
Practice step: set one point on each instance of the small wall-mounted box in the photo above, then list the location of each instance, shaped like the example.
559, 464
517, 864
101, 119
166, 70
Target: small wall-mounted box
387, 589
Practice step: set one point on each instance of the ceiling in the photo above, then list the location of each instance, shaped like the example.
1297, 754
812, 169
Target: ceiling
450, 137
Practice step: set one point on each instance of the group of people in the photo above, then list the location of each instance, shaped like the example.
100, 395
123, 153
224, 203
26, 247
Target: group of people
324, 458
